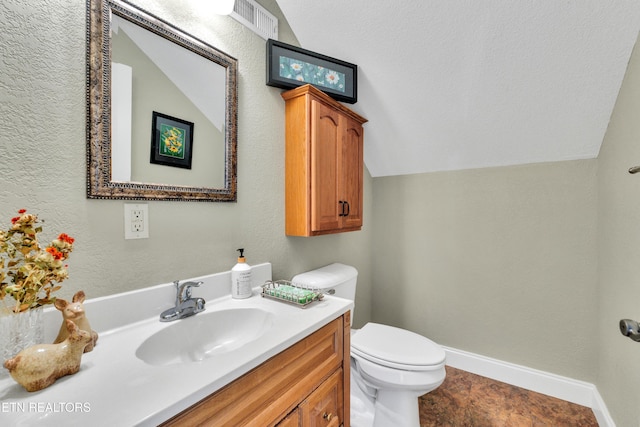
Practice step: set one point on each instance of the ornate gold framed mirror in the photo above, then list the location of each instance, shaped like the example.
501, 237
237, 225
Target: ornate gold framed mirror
161, 110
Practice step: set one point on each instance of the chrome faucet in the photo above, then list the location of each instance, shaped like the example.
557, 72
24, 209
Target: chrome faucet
185, 305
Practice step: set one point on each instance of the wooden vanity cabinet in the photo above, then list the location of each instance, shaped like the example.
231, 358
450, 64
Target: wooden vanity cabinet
324, 164
305, 385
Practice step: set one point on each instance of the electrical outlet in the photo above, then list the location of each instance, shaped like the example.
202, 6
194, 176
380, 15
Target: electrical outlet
136, 221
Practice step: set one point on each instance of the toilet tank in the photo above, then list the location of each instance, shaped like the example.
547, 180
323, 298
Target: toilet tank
338, 277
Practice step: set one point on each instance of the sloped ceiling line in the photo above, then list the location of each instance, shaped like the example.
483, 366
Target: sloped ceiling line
465, 84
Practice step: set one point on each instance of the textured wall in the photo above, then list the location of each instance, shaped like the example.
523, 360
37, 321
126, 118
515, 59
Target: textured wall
619, 250
499, 261
42, 163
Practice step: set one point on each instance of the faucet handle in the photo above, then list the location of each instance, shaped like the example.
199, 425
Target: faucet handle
185, 289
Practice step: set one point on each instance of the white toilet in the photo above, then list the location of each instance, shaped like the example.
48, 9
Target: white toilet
390, 367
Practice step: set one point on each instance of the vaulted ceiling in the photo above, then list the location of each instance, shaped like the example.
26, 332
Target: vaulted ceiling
459, 84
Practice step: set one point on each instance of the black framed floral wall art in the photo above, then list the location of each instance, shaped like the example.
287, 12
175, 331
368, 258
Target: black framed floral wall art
171, 141
290, 66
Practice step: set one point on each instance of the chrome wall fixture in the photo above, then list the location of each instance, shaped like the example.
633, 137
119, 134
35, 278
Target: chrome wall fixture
634, 169
630, 328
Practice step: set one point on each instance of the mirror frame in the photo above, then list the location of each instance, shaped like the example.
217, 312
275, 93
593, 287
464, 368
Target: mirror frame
99, 183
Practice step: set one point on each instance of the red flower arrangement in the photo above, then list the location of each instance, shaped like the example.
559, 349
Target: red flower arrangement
29, 273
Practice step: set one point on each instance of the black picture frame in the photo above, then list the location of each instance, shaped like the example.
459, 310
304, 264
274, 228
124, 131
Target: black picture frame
290, 66
171, 141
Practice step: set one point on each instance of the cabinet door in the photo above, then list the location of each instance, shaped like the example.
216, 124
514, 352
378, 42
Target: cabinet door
323, 407
352, 171
291, 420
325, 143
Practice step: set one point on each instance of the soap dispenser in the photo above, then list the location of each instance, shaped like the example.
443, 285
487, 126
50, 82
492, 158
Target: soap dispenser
241, 278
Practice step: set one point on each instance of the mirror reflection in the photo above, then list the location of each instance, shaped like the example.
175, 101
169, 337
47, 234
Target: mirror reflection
163, 121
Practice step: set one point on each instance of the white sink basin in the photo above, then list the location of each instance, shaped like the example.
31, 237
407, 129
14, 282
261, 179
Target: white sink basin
204, 335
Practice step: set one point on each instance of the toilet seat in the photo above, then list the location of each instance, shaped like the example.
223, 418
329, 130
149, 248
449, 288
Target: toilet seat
397, 348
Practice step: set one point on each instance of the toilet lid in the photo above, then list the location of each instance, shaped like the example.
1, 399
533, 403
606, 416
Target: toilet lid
396, 348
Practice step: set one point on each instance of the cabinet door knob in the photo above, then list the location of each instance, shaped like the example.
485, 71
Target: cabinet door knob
327, 416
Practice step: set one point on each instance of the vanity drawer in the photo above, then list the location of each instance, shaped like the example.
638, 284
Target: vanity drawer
266, 394
323, 407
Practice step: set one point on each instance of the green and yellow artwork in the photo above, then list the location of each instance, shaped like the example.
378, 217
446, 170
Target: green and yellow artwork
172, 141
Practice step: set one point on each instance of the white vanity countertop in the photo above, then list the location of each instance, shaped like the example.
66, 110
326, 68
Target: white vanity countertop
114, 387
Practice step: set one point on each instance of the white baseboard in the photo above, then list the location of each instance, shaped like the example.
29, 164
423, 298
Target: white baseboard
579, 392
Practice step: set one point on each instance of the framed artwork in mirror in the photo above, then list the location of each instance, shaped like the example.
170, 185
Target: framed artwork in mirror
171, 141
290, 66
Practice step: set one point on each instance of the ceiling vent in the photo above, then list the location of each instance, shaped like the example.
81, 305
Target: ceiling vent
256, 18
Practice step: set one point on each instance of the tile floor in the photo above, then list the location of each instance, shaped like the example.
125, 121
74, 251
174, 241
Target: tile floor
469, 400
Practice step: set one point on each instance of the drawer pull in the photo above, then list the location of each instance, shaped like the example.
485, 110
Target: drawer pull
332, 420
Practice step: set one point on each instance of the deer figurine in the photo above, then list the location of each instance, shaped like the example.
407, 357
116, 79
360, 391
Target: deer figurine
39, 366
74, 311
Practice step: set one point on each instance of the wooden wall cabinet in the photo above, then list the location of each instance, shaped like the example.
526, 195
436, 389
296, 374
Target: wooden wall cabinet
306, 385
323, 164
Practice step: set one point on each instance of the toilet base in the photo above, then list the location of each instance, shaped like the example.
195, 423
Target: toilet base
391, 408
362, 404
396, 408
376, 403
384, 407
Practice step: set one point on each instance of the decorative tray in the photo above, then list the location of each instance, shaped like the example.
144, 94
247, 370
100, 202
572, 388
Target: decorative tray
284, 290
